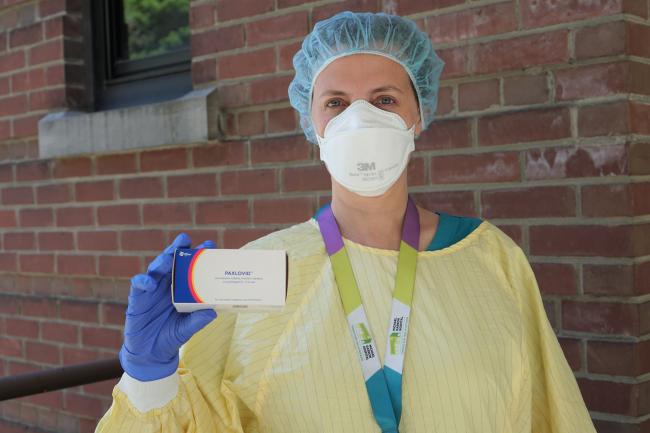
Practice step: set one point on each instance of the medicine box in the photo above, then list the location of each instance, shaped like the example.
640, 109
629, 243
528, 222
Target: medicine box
229, 279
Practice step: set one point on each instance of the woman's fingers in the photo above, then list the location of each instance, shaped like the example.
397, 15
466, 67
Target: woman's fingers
207, 244
162, 264
158, 271
143, 282
181, 241
141, 298
193, 322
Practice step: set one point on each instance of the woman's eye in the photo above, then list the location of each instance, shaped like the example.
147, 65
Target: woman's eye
385, 100
334, 103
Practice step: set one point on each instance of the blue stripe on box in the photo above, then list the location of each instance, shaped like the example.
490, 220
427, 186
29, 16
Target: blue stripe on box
182, 293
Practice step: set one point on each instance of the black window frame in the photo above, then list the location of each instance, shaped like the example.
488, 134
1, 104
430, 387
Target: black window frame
115, 84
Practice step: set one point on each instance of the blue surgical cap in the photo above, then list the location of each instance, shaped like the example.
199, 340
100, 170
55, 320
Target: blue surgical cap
348, 33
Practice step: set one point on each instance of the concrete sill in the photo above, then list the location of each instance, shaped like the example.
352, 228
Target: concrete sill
191, 118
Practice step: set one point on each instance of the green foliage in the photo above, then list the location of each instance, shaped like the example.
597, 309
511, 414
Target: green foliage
156, 26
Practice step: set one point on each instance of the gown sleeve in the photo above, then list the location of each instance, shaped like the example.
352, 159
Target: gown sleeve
207, 400
550, 398
203, 403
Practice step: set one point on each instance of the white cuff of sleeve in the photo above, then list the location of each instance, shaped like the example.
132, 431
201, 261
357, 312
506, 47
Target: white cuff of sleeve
154, 394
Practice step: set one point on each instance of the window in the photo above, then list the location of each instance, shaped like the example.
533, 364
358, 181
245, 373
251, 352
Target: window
139, 51
137, 55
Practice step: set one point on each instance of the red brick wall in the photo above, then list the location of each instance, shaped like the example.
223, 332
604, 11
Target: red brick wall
34, 77
543, 128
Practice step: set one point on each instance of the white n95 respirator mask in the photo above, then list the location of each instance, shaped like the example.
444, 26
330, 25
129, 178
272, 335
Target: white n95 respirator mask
365, 148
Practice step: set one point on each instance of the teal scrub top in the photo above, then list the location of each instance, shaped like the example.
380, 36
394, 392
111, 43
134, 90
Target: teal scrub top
451, 229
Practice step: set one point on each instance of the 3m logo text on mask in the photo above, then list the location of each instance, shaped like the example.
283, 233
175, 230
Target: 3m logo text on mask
365, 166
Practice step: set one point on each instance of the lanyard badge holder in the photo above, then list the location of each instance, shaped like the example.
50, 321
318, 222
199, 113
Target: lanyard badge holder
384, 385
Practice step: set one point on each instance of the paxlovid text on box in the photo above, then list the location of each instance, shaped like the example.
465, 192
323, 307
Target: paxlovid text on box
226, 279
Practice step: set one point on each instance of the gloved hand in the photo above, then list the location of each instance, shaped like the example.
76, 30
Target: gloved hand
154, 331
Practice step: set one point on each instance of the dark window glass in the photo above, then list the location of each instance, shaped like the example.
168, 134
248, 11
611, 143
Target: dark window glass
154, 27
141, 51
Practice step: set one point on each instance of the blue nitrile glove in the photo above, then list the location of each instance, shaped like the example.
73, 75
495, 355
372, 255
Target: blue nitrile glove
154, 331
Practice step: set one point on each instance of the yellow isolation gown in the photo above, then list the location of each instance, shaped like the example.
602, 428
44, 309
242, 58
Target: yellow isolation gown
481, 358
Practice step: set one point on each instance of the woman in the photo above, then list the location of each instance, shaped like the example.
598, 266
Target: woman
468, 347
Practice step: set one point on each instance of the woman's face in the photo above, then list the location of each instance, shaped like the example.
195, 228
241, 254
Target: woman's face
377, 79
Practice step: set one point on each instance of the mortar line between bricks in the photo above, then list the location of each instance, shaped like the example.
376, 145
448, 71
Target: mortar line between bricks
426, 159
461, 7
279, 179
102, 301
589, 260
578, 198
584, 358
534, 220
268, 106
630, 380
536, 259
636, 19
266, 121
635, 97
27, 68
601, 338
233, 137
536, 145
248, 154
612, 221
256, 77
79, 325
245, 50
517, 34
65, 297
567, 221
574, 221
272, 14
554, 259
571, 103
571, 48
478, 205
501, 186
602, 416
637, 59
21, 4
66, 344
275, 195
473, 133
520, 145
573, 123
631, 300
644, 377
138, 163
251, 211
104, 352
642, 259
639, 178
546, 68
464, 79
580, 282
525, 235
556, 313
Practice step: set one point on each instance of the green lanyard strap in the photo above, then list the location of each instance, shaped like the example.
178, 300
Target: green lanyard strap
384, 385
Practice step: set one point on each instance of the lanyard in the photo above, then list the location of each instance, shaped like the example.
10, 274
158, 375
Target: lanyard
384, 385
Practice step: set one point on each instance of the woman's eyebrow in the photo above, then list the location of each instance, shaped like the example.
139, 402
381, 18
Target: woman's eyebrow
334, 92
387, 87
